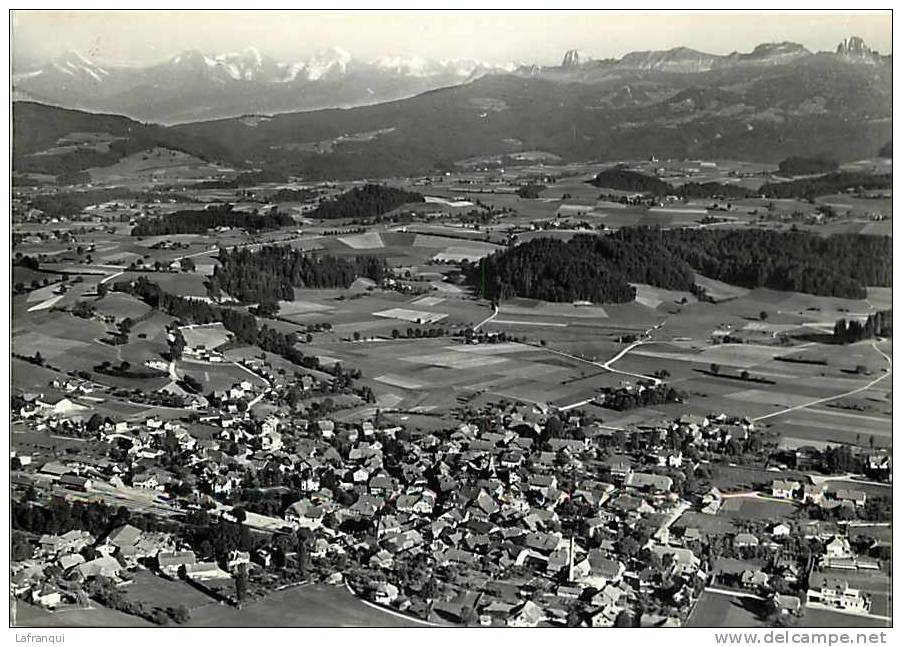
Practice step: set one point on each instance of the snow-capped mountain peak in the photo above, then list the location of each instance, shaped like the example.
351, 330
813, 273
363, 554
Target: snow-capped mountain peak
74, 64
332, 61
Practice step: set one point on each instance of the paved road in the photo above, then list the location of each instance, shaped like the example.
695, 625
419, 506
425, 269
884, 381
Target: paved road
607, 366
834, 397
111, 277
734, 594
487, 319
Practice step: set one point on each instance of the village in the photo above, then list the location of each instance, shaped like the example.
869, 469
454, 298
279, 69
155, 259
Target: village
515, 516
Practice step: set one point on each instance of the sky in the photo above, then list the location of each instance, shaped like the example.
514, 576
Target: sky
542, 37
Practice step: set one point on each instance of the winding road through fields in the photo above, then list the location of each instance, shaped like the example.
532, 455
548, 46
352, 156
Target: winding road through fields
812, 403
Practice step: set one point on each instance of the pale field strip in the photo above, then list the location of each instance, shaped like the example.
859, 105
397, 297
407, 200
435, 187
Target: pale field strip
45, 305
357, 326
41, 294
424, 408
652, 297
760, 326
685, 210
288, 308
461, 252
369, 240
556, 310
492, 349
425, 240
427, 302
514, 322
402, 382
452, 359
447, 288
430, 199
791, 443
325, 360
768, 397
718, 289
413, 316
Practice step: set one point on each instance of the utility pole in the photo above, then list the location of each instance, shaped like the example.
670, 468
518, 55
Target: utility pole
571, 559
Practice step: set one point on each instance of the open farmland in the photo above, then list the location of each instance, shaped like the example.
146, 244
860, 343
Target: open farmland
314, 606
398, 380
718, 610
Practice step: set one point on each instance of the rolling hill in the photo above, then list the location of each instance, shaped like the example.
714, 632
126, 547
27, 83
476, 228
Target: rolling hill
796, 103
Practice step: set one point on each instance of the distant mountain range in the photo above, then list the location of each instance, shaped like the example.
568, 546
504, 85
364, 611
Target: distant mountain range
195, 86
765, 105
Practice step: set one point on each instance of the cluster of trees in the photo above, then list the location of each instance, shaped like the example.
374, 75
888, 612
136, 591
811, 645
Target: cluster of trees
105, 591
242, 324
795, 165
530, 191
124, 369
692, 190
622, 179
879, 324
64, 204
622, 399
600, 268
810, 188
293, 195
60, 516
26, 261
242, 180
368, 201
83, 310
587, 267
198, 222
840, 265
272, 272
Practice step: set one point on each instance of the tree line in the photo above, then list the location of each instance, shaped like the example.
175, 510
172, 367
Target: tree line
839, 182
622, 179
840, 265
241, 324
622, 399
368, 201
601, 268
879, 324
198, 222
65, 204
272, 272
795, 165
585, 268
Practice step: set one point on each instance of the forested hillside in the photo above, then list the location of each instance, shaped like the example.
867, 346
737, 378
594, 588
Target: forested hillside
812, 187
841, 265
600, 268
369, 201
621, 179
587, 267
198, 222
272, 272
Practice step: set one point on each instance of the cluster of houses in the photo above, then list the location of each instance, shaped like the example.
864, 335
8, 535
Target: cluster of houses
54, 575
818, 495
495, 522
